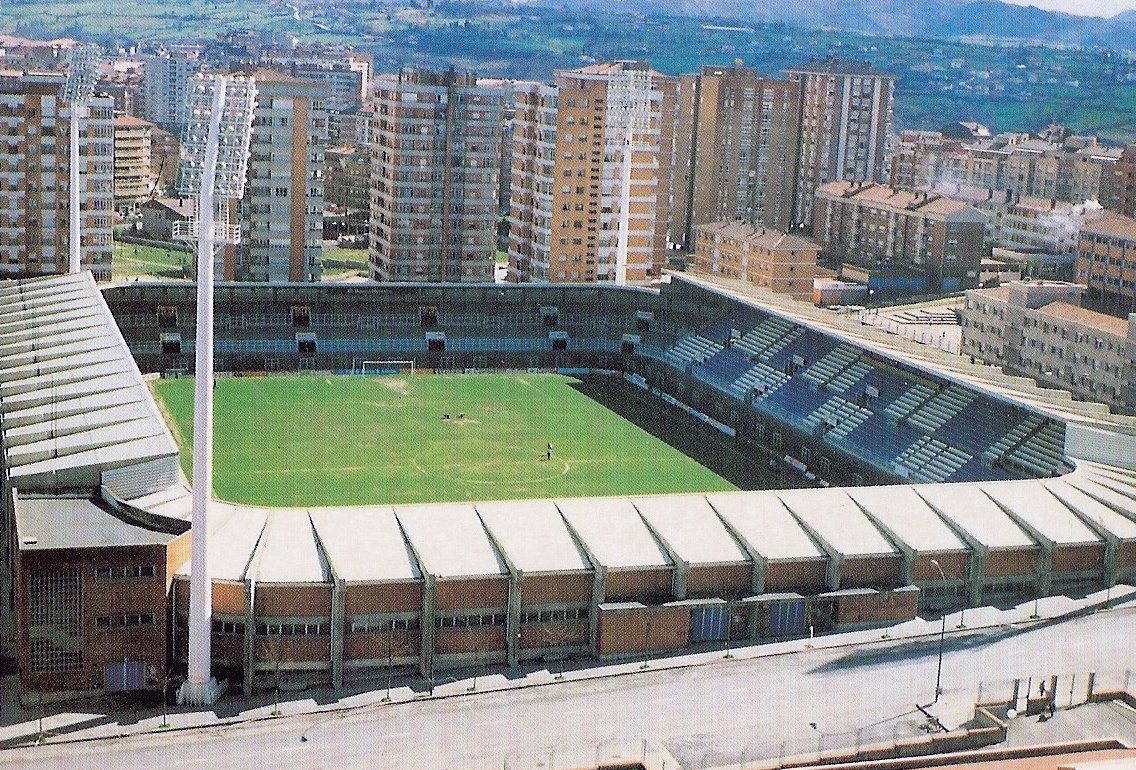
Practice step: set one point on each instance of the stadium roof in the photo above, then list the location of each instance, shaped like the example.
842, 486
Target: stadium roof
1041, 512
907, 515
288, 551
365, 544
1091, 509
533, 536
233, 535
64, 522
74, 402
837, 520
968, 507
763, 522
612, 530
691, 529
450, 540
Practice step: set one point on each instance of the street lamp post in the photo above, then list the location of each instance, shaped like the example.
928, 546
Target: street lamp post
942, 638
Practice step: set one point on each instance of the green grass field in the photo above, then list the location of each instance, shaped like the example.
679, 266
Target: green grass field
313, 440
132, 259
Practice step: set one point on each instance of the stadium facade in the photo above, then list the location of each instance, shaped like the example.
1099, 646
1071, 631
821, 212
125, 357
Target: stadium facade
940, 484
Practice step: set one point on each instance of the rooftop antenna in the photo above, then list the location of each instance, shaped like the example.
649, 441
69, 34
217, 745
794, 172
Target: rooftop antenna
629, 96
77, 91
215, 154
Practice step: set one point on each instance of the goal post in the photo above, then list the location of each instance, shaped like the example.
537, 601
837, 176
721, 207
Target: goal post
387, 367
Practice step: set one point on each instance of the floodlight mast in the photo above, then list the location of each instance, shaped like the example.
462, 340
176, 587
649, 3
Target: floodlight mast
77, 91
631, 95
222, 117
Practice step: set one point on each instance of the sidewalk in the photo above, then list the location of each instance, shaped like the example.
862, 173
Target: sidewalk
109, 716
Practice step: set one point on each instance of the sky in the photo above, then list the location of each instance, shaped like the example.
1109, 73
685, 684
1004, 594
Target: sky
1081, 7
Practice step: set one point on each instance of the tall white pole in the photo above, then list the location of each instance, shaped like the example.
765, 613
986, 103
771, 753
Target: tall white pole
624, 211
200, 588
75, 262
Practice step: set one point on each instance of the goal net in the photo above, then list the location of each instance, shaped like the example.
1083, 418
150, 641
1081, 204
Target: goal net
387, 367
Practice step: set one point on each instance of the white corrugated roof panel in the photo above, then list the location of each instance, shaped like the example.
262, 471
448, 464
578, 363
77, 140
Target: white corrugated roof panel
909, 517
533, 536
365, 544
613, 531
450, 540
233, 535
1037, 507
833, 515
1093, 510
288, 550
763, 521
976, 514
689, 525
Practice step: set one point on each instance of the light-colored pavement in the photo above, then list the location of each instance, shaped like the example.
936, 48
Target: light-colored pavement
766, 701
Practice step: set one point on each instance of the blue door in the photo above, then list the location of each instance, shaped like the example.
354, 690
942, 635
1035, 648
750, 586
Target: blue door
709, 624
787, 618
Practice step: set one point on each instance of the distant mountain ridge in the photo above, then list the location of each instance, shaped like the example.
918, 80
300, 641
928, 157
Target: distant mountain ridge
924, 18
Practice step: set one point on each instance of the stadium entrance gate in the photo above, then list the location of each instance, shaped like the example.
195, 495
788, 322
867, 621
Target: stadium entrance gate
710, 623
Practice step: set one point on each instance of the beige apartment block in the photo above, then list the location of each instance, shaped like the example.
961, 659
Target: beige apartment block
569, 198
735, 150
846, 118
34, 178
1106, 262
901, 241
436, 148
1038, 329
781, 263
282, 210
133, 168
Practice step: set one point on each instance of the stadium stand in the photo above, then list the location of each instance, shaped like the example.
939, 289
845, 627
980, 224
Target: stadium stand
332, 594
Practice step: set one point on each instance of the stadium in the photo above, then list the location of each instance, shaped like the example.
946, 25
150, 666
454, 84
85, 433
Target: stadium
926, 483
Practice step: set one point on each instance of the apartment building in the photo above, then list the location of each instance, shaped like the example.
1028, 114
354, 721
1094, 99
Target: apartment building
281, 213
736, 150
1106, 262
1073, 170
1038, 329
165, 87
133, 166
781, 263
345, 74
593, 155
846, 119
899, 241
34, 178
436, 148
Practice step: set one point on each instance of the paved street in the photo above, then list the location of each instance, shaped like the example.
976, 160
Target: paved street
718, 713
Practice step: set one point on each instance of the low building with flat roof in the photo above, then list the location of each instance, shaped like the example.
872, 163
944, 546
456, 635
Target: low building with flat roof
770, 259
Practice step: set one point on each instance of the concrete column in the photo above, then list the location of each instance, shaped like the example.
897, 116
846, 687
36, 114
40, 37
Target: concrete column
599, 589
338, 605
426, 654
200, 688
513, 620
250, 636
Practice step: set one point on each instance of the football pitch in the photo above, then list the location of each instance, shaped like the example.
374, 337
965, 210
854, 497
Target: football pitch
324, 441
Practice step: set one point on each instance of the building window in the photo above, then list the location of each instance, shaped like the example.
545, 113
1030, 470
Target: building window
55, 621
126, 620
555, 616
228, 627
125, 573
292, 629
473, 620
378, 626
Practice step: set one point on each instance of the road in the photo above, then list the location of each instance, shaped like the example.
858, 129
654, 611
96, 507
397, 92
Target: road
707, 715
